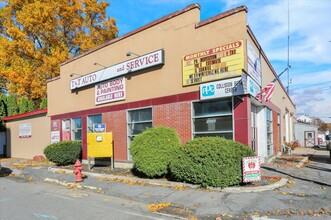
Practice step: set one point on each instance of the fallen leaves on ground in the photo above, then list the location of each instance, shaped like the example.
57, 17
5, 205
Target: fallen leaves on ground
315, 213
157, 207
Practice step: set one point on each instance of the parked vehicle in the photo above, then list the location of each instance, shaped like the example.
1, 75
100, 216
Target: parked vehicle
328, 143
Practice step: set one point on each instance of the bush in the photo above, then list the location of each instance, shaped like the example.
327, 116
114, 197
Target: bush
63, 153
153, 149
210, 161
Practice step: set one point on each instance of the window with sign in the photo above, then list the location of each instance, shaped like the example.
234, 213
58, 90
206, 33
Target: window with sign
76, 129
213, 118
93, 119
138, 121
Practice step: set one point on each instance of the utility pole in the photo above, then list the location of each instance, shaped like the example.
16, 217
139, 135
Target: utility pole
288, 47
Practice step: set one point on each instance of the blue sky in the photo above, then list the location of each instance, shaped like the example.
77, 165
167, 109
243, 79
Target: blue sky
310, 39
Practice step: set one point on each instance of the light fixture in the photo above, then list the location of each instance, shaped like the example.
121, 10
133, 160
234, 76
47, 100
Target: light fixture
129, 53
99, 65
74, 74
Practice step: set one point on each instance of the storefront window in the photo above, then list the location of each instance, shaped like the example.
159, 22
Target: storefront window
91, 120
138, 121
213, 118
76, 129
66, 130
269, 131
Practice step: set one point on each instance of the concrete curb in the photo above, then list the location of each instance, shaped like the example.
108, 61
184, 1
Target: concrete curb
304, 160
170, 184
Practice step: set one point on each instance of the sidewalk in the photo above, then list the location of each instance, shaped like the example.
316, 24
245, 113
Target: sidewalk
185, 198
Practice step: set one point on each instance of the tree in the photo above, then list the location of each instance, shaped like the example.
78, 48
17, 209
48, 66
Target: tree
12, 106
30, 105
320, 123
36, 36
23, 106
3, 110
43, 103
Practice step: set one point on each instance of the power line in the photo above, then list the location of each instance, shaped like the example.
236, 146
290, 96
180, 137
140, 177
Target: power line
317, 84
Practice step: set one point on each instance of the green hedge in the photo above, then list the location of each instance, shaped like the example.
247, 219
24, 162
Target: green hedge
210, 161
153, 149
63, 153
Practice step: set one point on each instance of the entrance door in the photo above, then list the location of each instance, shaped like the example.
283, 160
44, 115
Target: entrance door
254, 128
309, 138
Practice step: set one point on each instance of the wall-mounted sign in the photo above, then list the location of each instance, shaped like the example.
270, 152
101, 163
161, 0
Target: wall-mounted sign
229, 87
254, 64
222, 88
252, 87
251, 169
139, 63
110, 91
25, 130
217, 63
55, 137
55, 125
99, 127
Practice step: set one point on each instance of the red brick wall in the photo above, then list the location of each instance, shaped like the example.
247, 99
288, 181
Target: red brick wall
175, 115
275, 131
116, 122
241, 117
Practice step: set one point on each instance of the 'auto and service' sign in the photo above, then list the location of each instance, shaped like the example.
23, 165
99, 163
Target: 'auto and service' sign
110, 91
139, 63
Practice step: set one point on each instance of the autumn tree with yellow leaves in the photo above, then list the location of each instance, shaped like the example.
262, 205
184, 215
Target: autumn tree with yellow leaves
36, 36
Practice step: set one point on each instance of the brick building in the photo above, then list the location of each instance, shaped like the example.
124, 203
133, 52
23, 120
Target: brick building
199, 77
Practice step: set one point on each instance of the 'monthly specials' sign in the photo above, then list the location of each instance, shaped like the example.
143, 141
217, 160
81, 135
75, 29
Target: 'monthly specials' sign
139, 63
222, 62
110, 91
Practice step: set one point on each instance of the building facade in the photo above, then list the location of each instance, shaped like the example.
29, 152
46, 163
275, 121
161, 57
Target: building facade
198, 77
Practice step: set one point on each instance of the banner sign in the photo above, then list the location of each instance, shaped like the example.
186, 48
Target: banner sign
251, 169
254, 64
222, 88
110, 91
25, 130
55, 137
226, 61
139, 63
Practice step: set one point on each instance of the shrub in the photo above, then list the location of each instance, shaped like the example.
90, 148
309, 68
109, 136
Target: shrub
63, 153
210, 161
153, 149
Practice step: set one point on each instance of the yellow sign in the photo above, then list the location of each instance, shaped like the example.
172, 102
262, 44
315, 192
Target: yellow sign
217, 63
100, 144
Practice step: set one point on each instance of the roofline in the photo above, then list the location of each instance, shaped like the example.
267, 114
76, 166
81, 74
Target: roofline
221, 16
24, 115
251, 34
142, 28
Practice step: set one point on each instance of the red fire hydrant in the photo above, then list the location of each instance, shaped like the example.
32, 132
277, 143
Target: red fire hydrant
78, 171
